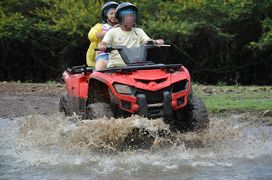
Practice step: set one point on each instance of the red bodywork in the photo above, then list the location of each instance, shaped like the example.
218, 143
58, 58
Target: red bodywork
79, 85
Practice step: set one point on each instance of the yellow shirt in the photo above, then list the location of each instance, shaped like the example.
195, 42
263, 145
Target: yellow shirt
91, 53
118, 37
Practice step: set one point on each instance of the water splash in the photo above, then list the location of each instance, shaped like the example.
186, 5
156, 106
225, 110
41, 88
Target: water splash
108, 147
114, 135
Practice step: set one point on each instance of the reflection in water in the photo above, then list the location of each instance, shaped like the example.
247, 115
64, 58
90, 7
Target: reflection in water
59, 147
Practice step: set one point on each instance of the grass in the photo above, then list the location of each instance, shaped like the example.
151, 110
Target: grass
238, 98
51, 82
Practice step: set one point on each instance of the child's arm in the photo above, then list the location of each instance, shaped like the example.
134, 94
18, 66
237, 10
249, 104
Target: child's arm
100, 34
92, 35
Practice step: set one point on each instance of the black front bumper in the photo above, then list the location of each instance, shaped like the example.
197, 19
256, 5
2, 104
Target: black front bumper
155, 106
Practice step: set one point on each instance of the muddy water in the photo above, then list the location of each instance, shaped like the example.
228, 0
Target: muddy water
56, 147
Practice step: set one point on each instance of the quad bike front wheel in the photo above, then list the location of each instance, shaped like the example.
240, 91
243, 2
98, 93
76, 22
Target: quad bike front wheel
193, 117
64, 105
98, 110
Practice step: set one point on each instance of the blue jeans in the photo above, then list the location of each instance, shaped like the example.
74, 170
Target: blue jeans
105, 56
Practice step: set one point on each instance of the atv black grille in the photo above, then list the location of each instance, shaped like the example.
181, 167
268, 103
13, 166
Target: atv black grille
153, 97
158, 81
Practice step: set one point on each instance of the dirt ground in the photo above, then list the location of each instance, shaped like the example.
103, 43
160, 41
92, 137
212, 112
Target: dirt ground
21, 99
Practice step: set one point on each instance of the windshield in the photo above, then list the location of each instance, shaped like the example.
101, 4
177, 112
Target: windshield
134, 55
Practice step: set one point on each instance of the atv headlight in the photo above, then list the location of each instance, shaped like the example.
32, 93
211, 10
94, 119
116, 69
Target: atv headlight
122, 89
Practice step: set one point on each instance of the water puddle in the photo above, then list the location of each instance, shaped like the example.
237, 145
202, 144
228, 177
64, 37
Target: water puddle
57, 147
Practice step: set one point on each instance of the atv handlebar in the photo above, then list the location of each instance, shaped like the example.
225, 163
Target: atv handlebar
150, 44
155, 44
109, 49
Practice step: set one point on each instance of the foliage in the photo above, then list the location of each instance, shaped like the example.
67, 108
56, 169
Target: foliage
226, 41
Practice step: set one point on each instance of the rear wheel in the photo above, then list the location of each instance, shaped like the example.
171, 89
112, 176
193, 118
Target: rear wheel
193, 117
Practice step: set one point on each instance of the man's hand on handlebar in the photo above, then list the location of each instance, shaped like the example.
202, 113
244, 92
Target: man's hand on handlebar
159, 42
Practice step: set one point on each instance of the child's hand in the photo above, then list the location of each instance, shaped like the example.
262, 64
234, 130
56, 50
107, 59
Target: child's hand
102, 46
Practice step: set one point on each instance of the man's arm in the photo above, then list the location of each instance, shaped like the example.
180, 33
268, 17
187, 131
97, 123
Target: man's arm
107, 40
145, 39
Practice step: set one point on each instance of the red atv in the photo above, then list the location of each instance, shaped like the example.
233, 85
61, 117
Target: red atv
142, 87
